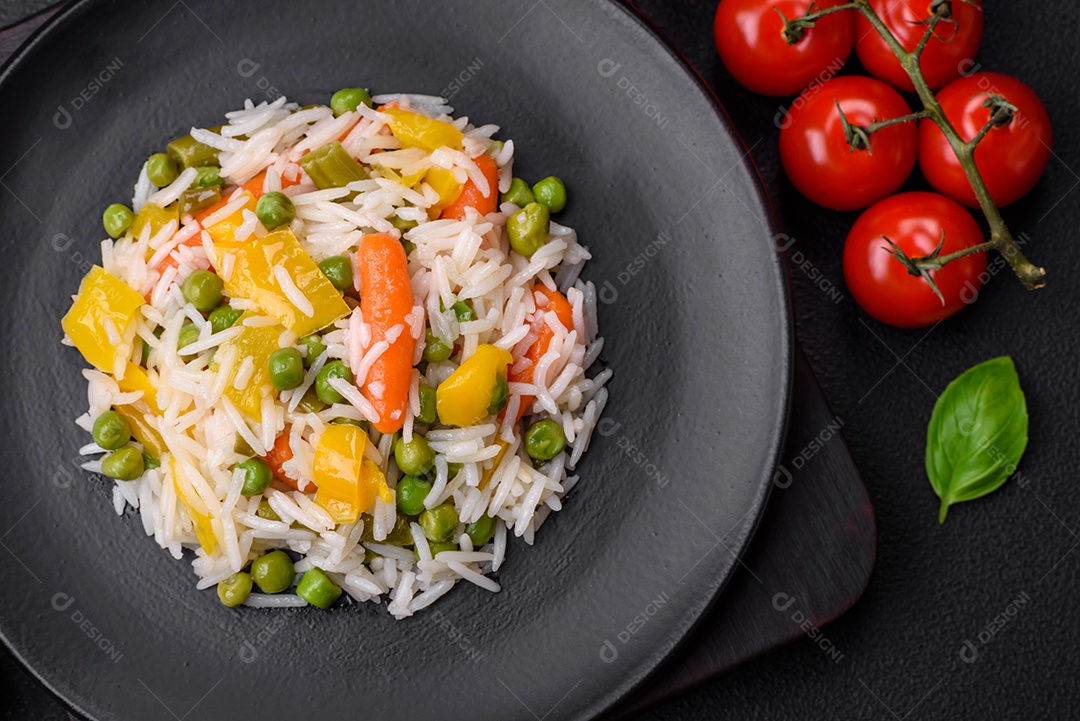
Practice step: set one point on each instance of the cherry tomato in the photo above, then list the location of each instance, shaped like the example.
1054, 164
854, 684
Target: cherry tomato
818, 158
949, 53
1011, 158
914, 221
747, 34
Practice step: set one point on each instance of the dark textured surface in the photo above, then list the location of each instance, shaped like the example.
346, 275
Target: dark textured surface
95, 608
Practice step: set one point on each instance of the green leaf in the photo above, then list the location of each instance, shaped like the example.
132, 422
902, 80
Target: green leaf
977, 433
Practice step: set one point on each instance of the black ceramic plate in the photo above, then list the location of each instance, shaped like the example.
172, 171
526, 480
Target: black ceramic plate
694, 309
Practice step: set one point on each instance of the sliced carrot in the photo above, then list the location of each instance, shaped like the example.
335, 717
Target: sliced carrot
386, 298
544, 335
471, 197
276, 458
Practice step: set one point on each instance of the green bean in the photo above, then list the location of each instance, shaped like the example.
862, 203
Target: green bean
203, 290
528, 228
464, 311
435, 351
414, 458
275, 209
125, 464
286, 369
325, 391
520, 194
402, 224
150, 461
207, 176
411, 492
544, 440
111, 431
235, 589
330, 166
189, 333
257, 476
550, 192
193, 199
190, 153
117, 218
317, 589
437, 547
347, 100
428, 410
266, 511
481, 530
439, 523
274, 572
161, 169
338, 270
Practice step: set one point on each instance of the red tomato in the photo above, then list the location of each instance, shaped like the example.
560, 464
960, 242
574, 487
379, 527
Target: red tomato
1011, 158
949, 53
747, 34
819, 160
914, 221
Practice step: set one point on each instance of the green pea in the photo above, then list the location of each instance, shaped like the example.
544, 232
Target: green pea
125, 464
528, 228
414, 458
235, 589
439, 523
117, 218
435, 351
241, 447
427, 405
452, 469
438, 547
496, 147
111, 431
464, 311
402, 224
257, 476
481, 530
499, 396
411, 492
274, 210
161, 169
150, 461
317, 589
520, 194
349, 422
310, 403
274, 572
314, 346
203, 290
400, 535
347, 100
544, 440
286, 369
207, 176
326, 392
338, 270
266, 511
550, 191
189, 333
224, 316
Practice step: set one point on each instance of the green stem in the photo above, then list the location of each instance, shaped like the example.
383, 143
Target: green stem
1001, 238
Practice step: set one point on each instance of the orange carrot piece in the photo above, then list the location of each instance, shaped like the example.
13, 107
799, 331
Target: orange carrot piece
386, 297
277, 456
471, 197
565, 313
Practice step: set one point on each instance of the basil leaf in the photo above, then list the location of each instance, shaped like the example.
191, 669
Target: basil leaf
977, 434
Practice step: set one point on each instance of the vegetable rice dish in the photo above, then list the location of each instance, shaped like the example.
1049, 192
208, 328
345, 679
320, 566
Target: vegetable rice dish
339, 351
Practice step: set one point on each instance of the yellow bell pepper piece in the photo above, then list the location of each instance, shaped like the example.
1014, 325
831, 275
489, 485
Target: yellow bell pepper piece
156, 217
253, 278
142, 430
419, 131
347, 481
463, 398
223, 232
101, 296
256, 343
135, 379
196, 509
442, 182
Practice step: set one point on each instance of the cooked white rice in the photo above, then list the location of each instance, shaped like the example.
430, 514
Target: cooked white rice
452, 260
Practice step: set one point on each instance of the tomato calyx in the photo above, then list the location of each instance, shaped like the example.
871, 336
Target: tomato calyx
858, 136
795, 28
923, 265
